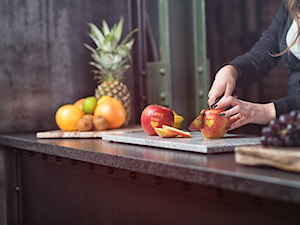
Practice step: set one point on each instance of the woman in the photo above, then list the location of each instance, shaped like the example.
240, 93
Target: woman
280, 40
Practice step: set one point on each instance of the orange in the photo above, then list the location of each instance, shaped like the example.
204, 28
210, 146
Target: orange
67, 116
112, 110
103, 98
79, 102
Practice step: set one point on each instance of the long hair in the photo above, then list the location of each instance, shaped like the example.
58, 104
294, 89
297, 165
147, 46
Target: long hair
293, 7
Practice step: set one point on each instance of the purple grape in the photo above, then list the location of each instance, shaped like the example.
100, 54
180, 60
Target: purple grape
263, 140
285, 119
274, 124
283, 131
294, 114
298, 117
276, 141
292, 131
269, 140
288, 141
268, 131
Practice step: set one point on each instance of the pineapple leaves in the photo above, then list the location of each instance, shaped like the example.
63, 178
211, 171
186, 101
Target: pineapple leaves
90, 48
117, 30
109, 43
129, 44
111, 55
105, 28
96, 35
128, 36
124, 50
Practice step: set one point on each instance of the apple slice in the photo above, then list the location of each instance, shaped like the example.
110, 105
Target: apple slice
197, 123
176, 131
165, 133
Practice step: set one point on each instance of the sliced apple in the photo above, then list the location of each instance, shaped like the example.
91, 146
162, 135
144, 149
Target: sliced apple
197, 123
165, 133
177, 120
176, 131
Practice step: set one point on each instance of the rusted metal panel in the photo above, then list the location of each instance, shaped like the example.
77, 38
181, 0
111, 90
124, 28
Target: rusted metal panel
43, 61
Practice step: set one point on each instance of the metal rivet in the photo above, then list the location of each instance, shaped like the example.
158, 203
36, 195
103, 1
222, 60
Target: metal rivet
17, 188
57, 158
110, 170
162, 72
219, 193
186, 186
132, 175
201, 93
91, 166
18, 151
44, 156
158, 180
200, 69
162, 95
257, 201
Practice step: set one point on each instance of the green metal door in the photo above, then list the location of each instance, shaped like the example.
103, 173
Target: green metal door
177, 65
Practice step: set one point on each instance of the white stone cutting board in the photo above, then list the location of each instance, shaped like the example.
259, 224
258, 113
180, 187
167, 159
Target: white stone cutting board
196, 143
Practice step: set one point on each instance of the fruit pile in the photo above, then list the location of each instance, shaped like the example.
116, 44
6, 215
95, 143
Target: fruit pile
283, 131
89, 113
162, 121
111, 59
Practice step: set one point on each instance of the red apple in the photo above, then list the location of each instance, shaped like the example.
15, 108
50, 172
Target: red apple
197, 123
171, 132
210, 123
176, 131
154, 116
164, 133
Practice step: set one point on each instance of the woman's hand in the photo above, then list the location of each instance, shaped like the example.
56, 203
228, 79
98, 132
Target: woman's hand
242, 112
223, 84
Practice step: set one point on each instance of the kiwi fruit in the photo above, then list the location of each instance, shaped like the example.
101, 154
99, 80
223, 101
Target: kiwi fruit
88, 116
85, 123
100, 123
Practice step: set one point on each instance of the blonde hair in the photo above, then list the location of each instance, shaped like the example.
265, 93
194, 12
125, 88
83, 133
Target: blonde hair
293, 7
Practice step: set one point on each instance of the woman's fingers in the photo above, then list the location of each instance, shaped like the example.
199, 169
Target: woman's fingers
236, 113
213, 96
237, 121
223, 84
228, 101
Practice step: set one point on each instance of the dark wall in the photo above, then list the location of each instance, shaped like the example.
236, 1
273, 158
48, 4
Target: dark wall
43, 63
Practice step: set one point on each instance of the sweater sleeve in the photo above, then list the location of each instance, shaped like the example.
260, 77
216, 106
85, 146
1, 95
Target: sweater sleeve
259, 60
287, 104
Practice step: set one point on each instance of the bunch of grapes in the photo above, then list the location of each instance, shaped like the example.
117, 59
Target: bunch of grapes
283, 131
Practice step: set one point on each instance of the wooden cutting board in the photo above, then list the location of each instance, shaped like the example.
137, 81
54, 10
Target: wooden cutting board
87, 134
279, 157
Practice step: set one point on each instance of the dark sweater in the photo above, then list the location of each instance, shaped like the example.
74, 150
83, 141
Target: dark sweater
259, 61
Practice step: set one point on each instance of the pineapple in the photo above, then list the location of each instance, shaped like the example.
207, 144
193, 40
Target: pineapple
110, 58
